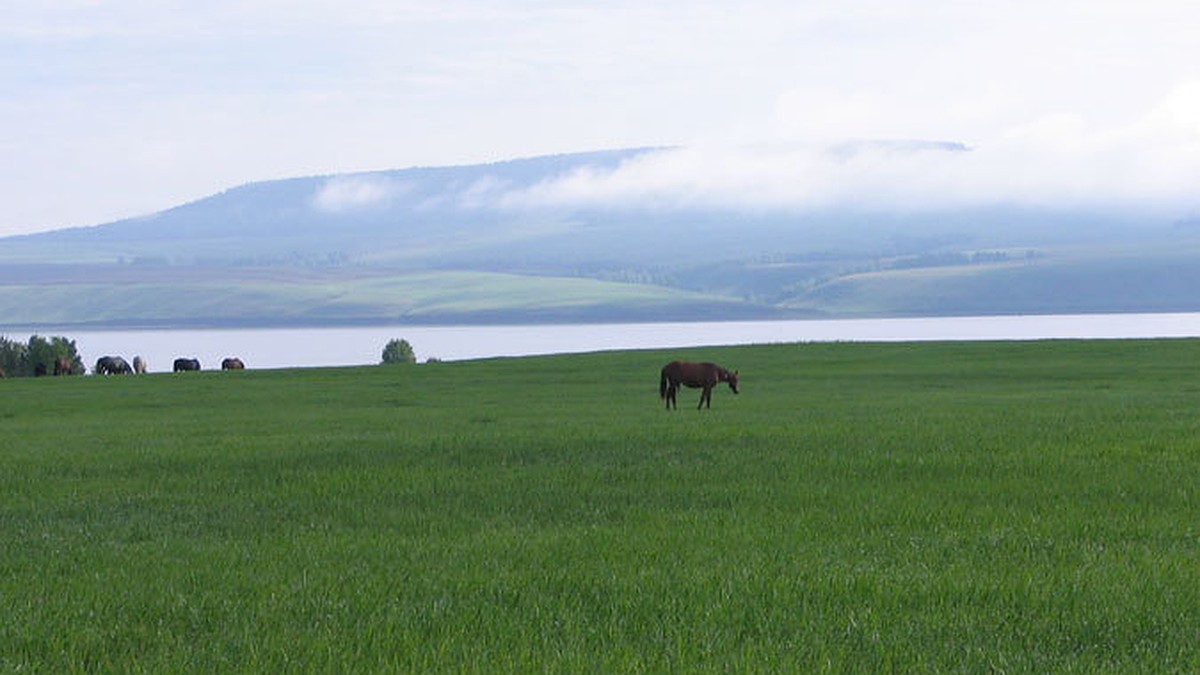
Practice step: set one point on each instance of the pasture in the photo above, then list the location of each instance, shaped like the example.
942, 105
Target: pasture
1013, 507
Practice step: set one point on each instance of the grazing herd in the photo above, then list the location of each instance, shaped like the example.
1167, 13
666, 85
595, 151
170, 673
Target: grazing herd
115, 365
704, 376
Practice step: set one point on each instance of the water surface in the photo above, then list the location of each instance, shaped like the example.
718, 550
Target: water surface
311, 347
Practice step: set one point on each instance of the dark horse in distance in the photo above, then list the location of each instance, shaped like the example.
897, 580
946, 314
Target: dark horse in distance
182, 365
694, 375
112, 365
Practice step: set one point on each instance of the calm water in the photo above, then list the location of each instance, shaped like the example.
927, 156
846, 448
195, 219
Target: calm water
309, 347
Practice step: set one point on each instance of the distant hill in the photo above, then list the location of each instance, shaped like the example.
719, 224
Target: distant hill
450, 244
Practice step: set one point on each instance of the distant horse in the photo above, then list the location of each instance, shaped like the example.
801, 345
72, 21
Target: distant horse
139, 365
706, 375
62, 367
186, 364
233, 363
112, 365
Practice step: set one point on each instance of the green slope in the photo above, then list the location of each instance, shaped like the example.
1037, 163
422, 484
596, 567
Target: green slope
239, 297
1071, 281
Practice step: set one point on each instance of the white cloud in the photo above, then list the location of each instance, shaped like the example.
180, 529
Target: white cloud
1054, 159
346, 193
117, 108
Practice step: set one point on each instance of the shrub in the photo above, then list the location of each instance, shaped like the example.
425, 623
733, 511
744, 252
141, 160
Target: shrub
398, 351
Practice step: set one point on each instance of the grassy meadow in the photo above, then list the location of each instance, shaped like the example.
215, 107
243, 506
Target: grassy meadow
1011, 507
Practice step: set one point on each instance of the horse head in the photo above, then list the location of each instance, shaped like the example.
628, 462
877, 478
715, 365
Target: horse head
732, 378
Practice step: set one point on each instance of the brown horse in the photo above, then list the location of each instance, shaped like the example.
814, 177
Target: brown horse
233, 363
62, 367
706, 375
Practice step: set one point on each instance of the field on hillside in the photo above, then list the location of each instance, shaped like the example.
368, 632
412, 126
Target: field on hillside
206, 296
1016, 507
1058, 281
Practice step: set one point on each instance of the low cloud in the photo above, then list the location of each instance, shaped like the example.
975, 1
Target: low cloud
1056, 160
349, 193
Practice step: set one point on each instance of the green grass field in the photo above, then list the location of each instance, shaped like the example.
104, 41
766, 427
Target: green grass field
1010, 507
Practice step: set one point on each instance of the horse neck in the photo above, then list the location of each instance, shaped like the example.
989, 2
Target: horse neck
722, 374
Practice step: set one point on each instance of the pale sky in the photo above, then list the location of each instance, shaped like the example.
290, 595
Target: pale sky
112, 109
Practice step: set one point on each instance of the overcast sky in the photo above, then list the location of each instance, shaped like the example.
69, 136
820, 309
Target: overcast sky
111, 109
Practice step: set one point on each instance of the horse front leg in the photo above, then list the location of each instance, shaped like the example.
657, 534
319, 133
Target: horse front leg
705, 398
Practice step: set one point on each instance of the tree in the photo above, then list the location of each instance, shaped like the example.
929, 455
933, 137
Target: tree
398, 351
12, 356
65, 349
38, 356
41, 355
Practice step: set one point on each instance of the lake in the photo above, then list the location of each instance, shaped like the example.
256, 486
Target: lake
312, 347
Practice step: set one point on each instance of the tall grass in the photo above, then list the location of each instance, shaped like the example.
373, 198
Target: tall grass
983, 506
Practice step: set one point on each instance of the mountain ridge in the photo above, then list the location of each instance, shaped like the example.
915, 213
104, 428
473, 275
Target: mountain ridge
695, 260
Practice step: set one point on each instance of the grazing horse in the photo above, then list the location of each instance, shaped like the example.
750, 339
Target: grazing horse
62, 367
112, 365
186, 364
706, 375
139, 365
233, 363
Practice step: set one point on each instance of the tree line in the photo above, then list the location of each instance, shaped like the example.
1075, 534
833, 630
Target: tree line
38, 356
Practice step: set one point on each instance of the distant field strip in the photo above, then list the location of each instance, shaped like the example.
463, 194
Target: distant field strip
363, 298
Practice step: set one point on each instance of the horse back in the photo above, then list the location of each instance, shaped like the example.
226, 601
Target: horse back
693, 374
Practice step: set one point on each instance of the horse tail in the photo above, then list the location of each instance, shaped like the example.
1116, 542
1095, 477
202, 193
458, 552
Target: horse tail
662, 384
